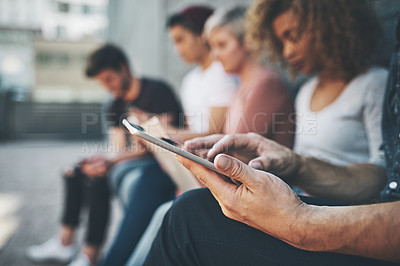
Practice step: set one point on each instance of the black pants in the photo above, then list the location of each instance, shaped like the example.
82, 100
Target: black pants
195, 232
80, 189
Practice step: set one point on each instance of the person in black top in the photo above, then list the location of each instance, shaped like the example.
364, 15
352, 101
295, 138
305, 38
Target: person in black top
87, 180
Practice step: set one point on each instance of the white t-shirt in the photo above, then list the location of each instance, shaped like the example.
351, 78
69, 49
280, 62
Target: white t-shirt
348, 130
201, 90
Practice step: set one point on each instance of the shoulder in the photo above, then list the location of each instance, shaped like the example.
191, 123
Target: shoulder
308, 86
216, 73
115, 104
156, 84
269, 82
371, 84
374, 78
191, 75
152, 86
306, 89
190, 78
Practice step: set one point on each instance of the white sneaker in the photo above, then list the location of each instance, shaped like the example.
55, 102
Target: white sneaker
81, 260
51, 251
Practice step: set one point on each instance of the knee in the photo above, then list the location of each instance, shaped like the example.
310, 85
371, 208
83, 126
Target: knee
191, 204
69, 172
72, 172
114, 182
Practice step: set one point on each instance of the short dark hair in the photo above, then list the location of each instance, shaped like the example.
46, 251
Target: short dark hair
108, 56
192, 18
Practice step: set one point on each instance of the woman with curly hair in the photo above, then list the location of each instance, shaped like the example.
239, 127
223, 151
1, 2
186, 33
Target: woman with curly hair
262, 221
336, 42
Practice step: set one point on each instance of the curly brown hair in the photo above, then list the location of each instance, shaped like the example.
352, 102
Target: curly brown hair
345, 33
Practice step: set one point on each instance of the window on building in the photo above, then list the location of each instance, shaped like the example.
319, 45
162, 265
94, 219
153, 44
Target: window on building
61, 32
52, 59
86, 9
63, 7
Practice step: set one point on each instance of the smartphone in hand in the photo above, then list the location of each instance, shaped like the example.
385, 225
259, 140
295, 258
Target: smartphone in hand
169, 145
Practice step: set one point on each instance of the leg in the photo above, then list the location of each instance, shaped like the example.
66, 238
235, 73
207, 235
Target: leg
195, 232
144, 245
73, 200
99, 211
152, 189
127, 172
62, 248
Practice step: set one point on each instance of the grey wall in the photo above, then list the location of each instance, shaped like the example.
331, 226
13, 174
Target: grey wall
138, 26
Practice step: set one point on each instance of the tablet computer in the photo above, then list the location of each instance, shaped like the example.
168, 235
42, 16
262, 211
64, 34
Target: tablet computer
169, 145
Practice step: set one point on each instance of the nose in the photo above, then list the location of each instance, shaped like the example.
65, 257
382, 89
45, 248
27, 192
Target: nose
288, 50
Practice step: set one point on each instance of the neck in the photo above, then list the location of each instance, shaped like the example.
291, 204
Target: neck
134, 89
327, 79
205, 60
329, 76
248, 70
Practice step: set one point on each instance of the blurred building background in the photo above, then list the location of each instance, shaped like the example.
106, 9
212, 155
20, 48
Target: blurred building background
44, 45
43, 48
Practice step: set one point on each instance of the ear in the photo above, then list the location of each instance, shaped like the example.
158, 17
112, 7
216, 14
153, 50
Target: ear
204, 40
125, 69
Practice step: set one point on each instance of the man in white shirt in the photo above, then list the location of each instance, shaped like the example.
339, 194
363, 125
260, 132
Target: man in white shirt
206, 93
207, 90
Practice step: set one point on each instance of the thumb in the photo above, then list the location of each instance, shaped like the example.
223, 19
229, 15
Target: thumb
236, 169
260, 163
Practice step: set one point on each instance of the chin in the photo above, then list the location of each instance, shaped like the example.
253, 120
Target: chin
229, 70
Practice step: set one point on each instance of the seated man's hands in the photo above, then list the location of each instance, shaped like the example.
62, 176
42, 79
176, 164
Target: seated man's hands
95, 166
262, 201
253, 149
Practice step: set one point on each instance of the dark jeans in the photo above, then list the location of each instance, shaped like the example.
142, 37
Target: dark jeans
80, 189
151, 187
195, 232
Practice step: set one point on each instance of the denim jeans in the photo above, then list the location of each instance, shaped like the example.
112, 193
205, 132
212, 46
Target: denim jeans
144, 188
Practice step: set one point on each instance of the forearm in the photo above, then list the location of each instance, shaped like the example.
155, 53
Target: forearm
181, 135
366, 230
348, 184
127, 155
216, 124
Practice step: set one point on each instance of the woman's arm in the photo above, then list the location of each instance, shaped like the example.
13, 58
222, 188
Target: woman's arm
267, 110
356, 183
216, 124
348, 184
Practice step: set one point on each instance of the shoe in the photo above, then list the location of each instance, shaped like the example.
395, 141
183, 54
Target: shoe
81, 260
51, 251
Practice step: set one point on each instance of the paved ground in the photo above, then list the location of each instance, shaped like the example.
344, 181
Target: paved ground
31, 192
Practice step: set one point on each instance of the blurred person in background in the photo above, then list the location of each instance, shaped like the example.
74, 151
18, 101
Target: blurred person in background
248, 111
263, 103
206, 93
87, 180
